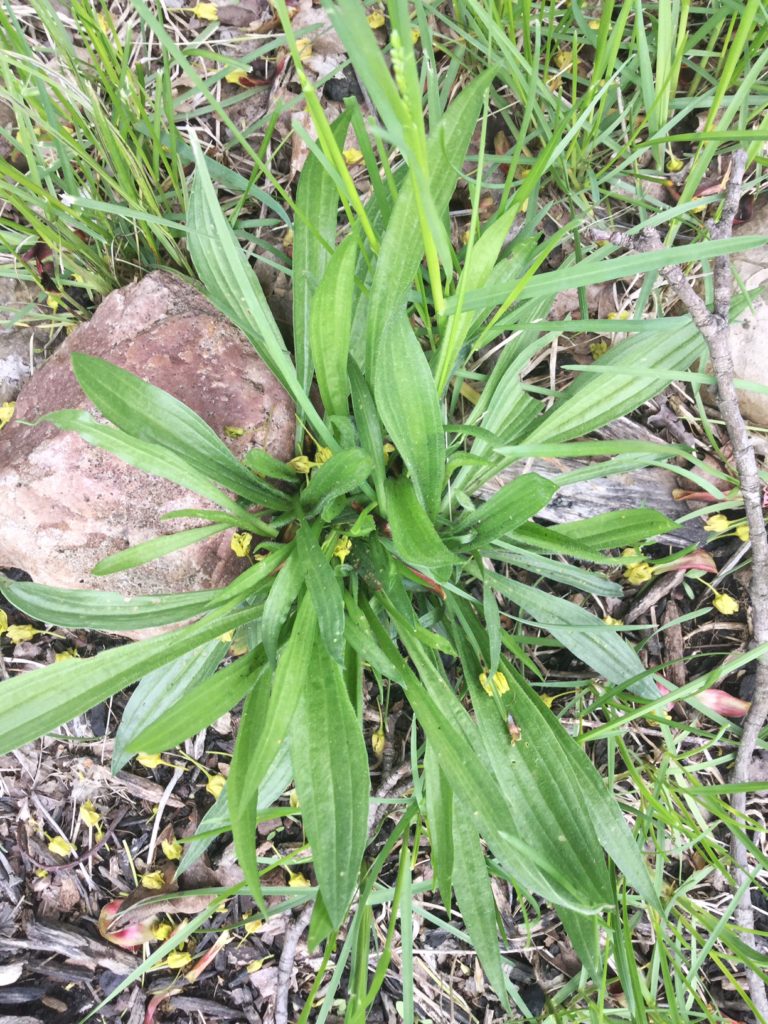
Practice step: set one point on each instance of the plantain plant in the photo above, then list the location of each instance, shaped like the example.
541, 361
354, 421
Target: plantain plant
378, 569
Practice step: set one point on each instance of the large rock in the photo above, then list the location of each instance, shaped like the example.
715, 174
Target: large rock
67, 504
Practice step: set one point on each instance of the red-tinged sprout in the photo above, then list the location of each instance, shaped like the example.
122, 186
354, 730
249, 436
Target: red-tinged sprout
719, 701
130, 936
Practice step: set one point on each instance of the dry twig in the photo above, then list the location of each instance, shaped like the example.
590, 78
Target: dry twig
714, 326
293, 933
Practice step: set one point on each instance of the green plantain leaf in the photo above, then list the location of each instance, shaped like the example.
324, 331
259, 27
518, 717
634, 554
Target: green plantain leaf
314, 228
61, 691
403, 246
152, 458
148, 551
591, 402
325, 590
278, 604
147, 412
330, 325
415, 538
92, 609
330, 764
294, 666
475, 899
369, 428
405, 395
161, 691
511, 505
618, 529
586, 636
203, 703
232, 286
343, 473
439, 814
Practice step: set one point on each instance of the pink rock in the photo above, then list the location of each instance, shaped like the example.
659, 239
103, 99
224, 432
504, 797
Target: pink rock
67, 505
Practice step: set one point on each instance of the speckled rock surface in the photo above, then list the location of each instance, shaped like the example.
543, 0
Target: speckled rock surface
67, 504
749, 332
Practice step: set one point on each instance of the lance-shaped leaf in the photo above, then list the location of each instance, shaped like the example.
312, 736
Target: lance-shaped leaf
69, 688
586, 636
145, 411
331, 769
406, 399
91, 609
416, 539
511, 505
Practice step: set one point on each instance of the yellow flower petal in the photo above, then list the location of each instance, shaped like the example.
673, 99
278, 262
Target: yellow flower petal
302, 464
322, 455
742, 532
717, 524
675, 164
255, 965
378, 742
151, 760
153, 880
3, 622
293, 799
206, 12
610, 621
499, 682
234, 431
178, 958
352, 156
343, 548
304, 46
17, 634
162, 930
61, 846
598, 348
89, 815
298, 881
375, 19
6, 413
638, 573
241, 543
172, 849
725, 604
251, 927
66, 655
215, 785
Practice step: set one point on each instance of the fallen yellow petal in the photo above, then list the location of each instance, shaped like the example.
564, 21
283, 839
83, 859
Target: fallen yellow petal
89, 815
215, 785
153, 880
206, 12
17, 634
61, 846
177, 959
6, 413
499, 681
352, 156
725, 604
241, 543
172, 849
375, 19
